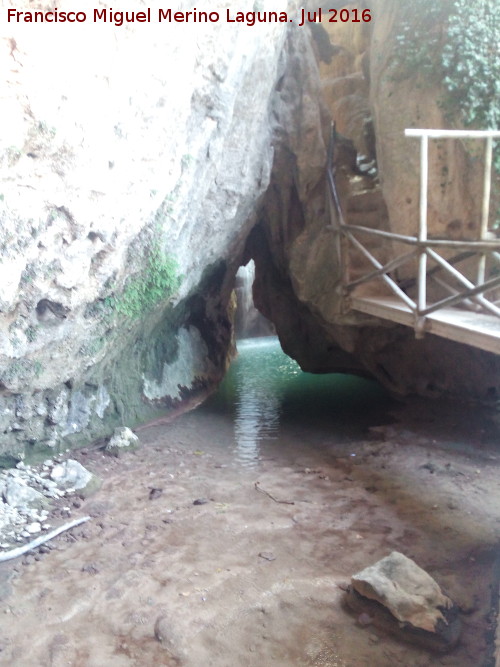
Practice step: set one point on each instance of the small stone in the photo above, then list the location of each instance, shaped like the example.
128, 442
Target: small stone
123, 440
201, 501
267, 555
19, 495
155, 493
71, 475
33, 528
162, 629
373, 639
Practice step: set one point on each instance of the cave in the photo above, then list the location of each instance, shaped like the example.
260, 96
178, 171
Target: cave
171, 266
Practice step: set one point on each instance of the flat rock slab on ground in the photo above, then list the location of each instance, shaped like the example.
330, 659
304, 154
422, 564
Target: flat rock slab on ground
401, 597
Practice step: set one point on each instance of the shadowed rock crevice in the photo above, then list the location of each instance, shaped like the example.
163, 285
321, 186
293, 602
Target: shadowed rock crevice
302, 334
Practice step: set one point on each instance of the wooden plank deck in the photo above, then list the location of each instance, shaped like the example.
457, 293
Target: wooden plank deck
463, 326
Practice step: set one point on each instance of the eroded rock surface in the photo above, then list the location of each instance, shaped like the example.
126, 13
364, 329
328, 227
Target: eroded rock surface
126, 197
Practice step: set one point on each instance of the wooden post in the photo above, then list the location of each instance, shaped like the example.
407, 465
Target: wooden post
485, 211
422, 235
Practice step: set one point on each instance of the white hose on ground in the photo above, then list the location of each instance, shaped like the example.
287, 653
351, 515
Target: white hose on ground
19, 551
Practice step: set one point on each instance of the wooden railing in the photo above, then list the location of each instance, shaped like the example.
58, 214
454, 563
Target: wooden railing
460, 288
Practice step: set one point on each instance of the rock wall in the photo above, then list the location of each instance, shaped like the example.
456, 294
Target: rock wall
135, 158
298, 268
402, 98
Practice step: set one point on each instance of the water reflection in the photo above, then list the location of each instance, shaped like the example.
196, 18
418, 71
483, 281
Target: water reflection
269, 400
258, 393
256, 419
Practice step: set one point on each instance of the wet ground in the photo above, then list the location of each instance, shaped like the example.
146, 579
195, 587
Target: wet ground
228, 538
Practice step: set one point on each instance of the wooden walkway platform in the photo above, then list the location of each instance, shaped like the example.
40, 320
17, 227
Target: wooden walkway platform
426, 259
463, 326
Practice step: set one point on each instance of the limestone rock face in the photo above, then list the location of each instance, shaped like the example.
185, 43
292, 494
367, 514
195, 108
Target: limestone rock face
401, 98
297, 267
133, 164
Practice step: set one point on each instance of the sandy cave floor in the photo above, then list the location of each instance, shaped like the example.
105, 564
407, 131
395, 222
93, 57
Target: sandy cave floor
244, 580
